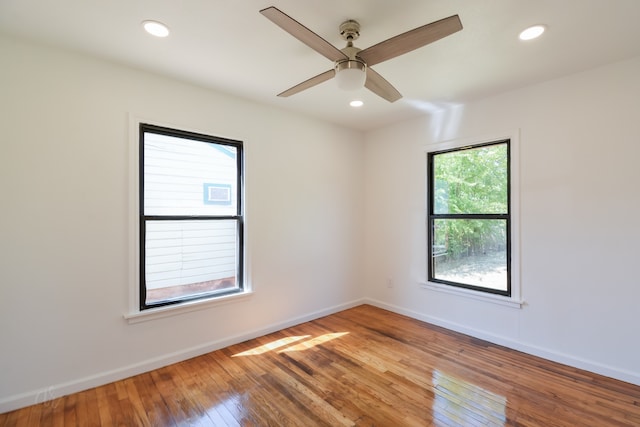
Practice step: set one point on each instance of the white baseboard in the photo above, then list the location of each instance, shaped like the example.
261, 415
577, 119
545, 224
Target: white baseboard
51, 393
565, 359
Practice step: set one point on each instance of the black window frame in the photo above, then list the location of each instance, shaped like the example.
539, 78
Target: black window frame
432, 217
143, 218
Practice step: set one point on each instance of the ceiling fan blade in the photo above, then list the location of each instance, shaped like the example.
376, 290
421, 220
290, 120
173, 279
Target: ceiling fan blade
303, 34
378, 85
327, 75
411, 40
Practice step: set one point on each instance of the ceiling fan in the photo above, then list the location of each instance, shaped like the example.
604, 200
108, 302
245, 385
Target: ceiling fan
352, 66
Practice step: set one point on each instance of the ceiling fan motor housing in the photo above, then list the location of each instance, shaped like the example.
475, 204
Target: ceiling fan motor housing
350, 64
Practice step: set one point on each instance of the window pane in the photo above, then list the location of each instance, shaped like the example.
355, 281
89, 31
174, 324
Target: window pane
190, 258
471, 181
188, 177
471, 252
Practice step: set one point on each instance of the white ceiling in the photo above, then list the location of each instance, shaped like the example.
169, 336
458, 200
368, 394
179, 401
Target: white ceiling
227, 45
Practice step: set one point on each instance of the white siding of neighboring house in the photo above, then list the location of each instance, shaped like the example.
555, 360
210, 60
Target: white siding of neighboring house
184, 252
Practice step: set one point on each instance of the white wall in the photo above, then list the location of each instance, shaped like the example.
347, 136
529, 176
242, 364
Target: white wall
580, 235
65, 220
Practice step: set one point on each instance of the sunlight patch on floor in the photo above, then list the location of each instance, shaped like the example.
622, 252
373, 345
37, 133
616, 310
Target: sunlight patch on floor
299, 346
271, 346
314, 342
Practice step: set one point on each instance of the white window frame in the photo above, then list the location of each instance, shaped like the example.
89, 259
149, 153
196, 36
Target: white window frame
134, 314
516, 299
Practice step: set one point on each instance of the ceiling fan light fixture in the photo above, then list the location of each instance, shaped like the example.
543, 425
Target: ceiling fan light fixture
351, 74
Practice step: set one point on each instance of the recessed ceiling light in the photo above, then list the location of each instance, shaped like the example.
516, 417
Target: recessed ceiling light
356, 103
156, 28
532, 32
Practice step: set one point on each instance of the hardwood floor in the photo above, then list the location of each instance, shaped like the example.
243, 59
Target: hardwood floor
365, 367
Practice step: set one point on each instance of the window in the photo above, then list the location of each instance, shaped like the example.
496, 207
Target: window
190, 211
469, 217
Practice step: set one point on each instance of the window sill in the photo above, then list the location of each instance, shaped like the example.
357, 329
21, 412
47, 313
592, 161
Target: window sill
173, 310
467, 293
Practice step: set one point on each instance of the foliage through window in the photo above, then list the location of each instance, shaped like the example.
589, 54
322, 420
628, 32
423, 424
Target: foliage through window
191, 222
469, 217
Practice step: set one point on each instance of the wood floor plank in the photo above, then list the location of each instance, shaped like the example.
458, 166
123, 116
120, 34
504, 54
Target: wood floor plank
103, 413
360, 367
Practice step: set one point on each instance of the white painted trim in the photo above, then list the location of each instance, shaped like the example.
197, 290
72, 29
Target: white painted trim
134, 226
468, 293
516, 299
51, 393
134, 314
545, 353
185, 307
